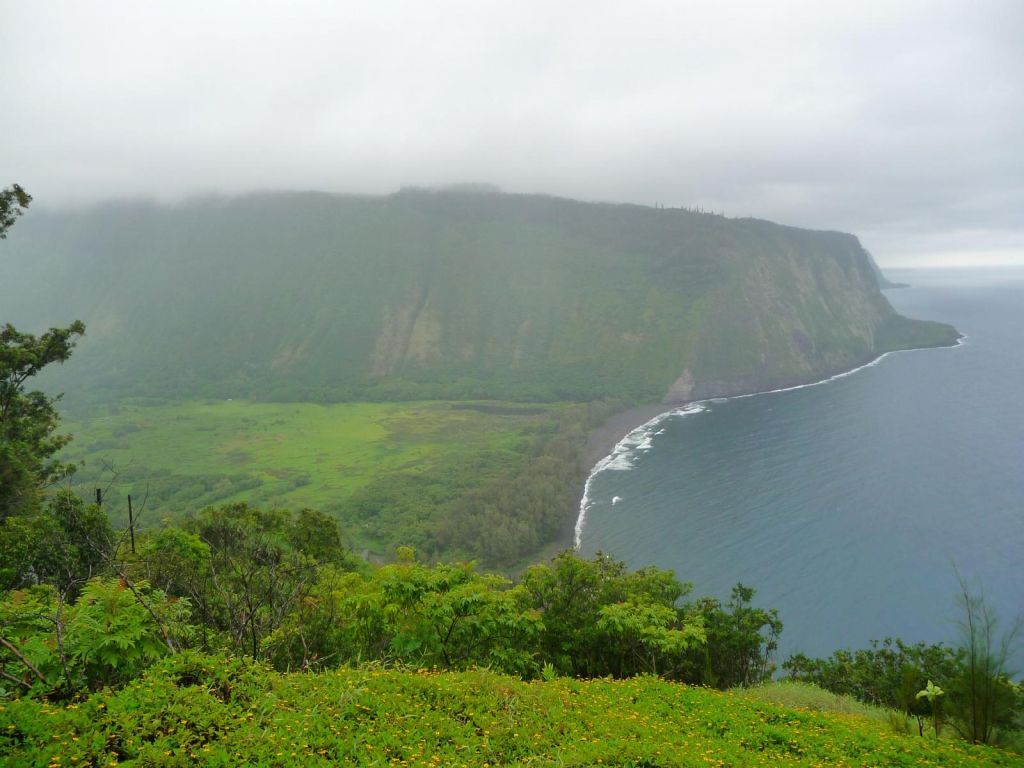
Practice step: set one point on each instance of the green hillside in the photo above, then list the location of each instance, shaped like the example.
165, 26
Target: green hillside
197, 710
443, 295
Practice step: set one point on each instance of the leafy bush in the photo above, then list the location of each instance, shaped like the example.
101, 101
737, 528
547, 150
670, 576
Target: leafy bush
65, 542
741, 641
980, 701
107, 637
877, 675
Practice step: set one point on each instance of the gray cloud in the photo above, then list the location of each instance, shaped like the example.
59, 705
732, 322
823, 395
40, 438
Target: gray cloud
903, 124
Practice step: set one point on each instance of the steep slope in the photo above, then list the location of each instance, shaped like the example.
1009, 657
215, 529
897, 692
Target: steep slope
453, 294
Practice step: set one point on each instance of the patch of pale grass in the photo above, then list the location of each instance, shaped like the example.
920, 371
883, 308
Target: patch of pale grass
790, 693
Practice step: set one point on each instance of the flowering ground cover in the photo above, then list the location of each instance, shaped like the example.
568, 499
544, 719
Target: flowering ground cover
210, 711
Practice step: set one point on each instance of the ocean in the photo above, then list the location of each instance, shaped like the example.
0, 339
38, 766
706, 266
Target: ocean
851, 506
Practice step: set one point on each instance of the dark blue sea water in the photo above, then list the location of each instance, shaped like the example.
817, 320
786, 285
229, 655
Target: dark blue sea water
847, 504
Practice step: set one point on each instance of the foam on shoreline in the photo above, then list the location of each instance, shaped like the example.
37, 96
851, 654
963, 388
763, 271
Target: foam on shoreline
639, 439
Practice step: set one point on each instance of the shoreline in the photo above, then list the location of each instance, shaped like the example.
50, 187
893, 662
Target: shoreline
602, 441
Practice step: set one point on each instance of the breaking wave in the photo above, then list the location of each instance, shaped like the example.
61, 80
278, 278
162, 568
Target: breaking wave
625, 452
640, 439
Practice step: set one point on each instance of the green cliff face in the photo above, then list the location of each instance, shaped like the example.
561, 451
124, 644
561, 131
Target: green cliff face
456, 294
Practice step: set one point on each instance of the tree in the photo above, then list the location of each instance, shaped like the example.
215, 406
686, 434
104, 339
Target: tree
317, 535
256, 576
888, 674
64, 541
13, 201
983, 697
28, 420
741, 641
599, 619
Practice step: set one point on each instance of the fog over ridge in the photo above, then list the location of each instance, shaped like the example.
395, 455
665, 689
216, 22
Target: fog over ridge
903, 125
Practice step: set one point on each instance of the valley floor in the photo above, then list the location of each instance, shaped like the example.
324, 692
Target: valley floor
390, 472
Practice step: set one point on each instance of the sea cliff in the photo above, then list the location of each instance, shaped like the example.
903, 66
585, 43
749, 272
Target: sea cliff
445, 295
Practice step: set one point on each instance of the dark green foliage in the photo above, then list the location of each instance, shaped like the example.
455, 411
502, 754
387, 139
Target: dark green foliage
176, 561
741, 641
245, 580
877, 675
253, 591
81, 546
510, 517
273, 605
584, 618
497, 507
444, 616
984, 699
315, 534
64, 542
252, 586
254, 575
105, 638
13, 202
28, 420
600, 619
980, 700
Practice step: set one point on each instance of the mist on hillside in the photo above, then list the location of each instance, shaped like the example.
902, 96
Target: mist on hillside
902, 124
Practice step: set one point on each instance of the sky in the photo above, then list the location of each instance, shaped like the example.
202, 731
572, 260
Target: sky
902, 122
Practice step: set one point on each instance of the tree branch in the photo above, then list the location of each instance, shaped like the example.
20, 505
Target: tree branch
21, 657
14, 679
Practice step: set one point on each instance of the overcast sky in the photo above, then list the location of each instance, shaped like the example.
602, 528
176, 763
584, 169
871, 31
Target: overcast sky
902, 122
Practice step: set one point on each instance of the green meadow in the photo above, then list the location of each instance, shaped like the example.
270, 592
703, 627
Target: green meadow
177, 458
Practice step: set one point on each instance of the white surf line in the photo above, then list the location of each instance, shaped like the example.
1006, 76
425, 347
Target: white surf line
626, 444
698, 406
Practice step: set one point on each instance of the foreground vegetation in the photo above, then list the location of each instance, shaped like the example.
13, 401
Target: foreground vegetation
280, 588
204, 611
215, 711
967, 690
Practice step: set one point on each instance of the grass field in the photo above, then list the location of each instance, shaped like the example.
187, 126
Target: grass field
185, 456
244, 715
